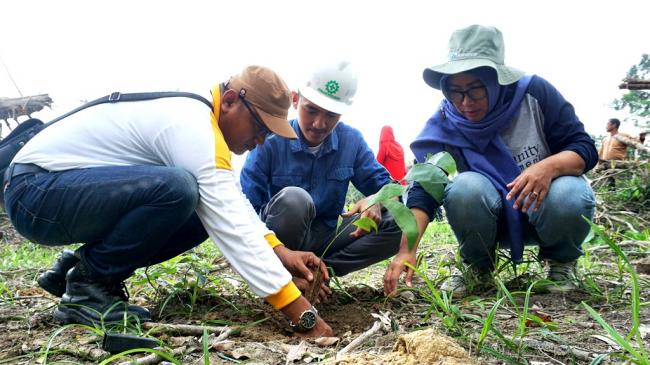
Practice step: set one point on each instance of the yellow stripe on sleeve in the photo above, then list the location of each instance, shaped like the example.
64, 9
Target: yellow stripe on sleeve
273, 240
284, 296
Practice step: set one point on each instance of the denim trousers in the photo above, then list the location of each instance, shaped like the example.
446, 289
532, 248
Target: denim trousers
291, 214
127, 217
474, 211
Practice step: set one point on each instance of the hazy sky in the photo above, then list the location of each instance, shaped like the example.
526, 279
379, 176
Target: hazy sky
82, 50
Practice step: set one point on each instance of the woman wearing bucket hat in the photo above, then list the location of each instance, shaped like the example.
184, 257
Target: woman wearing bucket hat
520, 151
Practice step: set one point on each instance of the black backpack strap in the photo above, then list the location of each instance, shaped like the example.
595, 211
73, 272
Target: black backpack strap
119, 97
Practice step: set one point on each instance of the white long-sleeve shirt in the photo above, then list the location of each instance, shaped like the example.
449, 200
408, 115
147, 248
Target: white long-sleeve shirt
179, 132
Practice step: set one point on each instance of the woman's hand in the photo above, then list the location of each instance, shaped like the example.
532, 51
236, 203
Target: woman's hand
395, 270
533, 183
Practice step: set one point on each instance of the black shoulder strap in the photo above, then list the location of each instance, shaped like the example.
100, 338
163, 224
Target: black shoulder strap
119, 97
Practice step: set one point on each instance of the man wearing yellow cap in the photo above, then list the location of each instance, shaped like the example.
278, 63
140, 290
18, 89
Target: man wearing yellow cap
141, 182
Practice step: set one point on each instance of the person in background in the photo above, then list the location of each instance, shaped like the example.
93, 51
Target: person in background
614, 146
642, 154
141, 182
520, 151
391, 154
299, 186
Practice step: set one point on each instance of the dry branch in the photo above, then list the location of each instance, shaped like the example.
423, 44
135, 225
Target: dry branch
630, 142
383, 323
185, 329
82, 351
16, 107
152, 359
635, 84
361, 339
559, 350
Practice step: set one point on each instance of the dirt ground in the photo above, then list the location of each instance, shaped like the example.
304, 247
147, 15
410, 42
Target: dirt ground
29, 333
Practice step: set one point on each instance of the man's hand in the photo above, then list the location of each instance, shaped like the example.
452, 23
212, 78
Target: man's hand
374, 213
304, 285
321, 329
293, 311
395, 270
300, 263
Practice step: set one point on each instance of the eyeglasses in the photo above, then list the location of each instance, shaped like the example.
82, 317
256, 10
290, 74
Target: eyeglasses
262, 129
474, 93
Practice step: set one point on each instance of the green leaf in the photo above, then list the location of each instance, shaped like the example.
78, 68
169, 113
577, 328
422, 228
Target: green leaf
366, 224
386, 193
404, 219
432, 178
444, 161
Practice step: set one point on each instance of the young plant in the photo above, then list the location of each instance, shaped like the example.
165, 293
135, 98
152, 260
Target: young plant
431, 174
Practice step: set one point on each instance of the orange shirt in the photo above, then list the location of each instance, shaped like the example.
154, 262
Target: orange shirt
612, 148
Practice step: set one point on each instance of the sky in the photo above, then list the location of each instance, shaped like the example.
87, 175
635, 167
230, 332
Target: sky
81, 50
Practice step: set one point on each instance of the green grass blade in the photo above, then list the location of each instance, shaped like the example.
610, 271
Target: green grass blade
63, 328
636, 297
524, 313
620, 340
160, 353
487, 324
206, 350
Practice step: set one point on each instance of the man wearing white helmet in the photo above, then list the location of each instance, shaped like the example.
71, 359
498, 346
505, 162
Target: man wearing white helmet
299, 186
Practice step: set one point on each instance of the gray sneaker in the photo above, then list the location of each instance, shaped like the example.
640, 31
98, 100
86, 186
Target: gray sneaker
562, 277
460, 283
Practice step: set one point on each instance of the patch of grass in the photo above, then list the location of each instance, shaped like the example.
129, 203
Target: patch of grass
27, 256
438, 233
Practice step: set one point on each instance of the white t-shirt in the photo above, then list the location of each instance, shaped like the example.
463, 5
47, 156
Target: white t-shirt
169, 132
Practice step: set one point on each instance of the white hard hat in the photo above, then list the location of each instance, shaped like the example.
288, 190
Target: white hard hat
331, 87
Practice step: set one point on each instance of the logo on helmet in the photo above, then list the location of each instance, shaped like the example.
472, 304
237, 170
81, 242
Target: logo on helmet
331, 88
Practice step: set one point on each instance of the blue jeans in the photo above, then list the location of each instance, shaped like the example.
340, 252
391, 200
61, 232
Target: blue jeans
291, 214
127, 216
474, 207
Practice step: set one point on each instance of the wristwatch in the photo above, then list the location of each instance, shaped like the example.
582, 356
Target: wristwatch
306, 321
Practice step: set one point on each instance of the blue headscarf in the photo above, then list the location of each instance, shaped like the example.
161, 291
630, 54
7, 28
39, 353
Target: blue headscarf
480, 142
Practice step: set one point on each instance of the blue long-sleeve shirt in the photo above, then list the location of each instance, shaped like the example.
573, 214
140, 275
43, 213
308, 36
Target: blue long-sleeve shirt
343, 158
559, 130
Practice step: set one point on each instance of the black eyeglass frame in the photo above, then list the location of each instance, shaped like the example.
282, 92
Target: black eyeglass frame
465, 93
263, 130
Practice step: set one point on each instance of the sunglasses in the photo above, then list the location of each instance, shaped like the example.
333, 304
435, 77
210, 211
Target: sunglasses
262, 129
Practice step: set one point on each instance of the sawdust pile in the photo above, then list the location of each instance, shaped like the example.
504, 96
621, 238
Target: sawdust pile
419, 347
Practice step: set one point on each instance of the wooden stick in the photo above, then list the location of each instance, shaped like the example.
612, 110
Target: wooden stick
184, 329
560, 350
361, 339
152, 359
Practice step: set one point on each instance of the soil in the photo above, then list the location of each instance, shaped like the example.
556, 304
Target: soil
28, 329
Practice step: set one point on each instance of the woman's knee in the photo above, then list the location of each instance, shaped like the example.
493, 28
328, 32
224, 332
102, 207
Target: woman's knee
471, 190
569, 197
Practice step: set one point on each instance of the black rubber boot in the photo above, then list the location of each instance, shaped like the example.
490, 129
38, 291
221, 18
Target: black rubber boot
53, 280
92, 301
